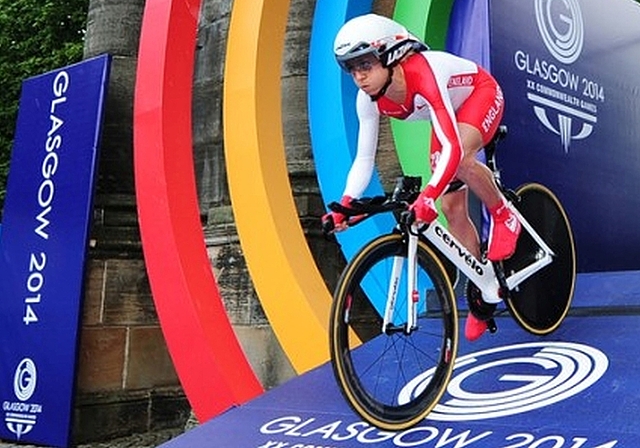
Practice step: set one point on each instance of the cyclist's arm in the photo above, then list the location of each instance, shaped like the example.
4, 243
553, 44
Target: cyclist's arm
444, 125
362, 168
446, 131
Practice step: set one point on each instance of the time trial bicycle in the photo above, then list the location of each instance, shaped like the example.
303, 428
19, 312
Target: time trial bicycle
394, 317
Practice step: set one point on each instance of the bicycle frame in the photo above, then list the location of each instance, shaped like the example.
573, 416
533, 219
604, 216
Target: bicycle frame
481, 273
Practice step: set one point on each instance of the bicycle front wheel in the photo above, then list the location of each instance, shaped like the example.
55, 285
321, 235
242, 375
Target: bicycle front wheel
394, 376
541, 302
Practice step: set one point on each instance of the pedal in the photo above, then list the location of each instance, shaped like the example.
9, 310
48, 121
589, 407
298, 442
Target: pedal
491, 325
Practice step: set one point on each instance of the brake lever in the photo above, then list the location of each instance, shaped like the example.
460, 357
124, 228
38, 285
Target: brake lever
328, 226
407, 217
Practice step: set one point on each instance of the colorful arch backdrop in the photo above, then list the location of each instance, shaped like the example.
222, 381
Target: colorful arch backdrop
213, 370
289, 285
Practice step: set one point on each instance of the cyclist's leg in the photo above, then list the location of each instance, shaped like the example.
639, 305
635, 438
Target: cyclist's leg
478, 120
455, 208
473, 172
476, 130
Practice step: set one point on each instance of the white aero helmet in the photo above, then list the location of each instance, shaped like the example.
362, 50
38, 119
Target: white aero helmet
372, 34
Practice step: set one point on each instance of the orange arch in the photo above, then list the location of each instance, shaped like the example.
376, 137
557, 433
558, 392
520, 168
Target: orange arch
282, 268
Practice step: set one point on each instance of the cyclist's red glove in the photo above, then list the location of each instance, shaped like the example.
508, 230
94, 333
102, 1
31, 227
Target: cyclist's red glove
425, 206
339, 220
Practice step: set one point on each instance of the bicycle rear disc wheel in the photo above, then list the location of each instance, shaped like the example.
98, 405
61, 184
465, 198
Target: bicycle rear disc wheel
392, 378
541, 302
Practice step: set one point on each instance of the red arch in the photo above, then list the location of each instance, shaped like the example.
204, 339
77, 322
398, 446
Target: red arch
208, 358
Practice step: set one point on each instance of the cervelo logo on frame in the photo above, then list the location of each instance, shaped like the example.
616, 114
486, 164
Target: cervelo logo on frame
564, 102
541, 373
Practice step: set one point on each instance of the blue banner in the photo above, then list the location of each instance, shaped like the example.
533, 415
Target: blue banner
43, 248
569, 71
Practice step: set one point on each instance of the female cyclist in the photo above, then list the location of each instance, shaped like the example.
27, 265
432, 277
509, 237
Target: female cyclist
398, 76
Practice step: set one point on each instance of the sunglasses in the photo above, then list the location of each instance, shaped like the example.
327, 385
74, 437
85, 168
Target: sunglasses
362, 65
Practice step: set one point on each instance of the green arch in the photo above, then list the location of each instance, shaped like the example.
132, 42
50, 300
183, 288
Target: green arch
428, 19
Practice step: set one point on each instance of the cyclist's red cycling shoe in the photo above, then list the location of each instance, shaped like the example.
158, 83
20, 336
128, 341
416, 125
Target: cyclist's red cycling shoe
505, 229
480, 314
474, 327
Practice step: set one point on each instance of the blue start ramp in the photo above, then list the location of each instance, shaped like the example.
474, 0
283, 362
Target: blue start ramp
576, 388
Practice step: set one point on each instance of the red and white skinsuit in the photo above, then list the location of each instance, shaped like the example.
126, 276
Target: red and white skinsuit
444, 89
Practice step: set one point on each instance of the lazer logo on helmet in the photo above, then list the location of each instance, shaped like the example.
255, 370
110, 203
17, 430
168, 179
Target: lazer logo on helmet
398, 53
469, 259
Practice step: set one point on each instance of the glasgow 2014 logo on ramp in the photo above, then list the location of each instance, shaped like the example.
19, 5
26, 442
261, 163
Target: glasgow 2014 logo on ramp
513, 379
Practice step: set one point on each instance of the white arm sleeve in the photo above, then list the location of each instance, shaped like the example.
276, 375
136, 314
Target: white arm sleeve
362, 168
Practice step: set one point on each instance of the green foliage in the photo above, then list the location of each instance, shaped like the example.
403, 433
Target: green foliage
36, 36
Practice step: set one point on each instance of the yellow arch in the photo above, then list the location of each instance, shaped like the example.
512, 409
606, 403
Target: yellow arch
282, 268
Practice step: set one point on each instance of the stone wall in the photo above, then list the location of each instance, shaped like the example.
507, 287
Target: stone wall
126, 382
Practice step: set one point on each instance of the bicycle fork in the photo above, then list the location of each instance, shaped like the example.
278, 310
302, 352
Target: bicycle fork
412, 292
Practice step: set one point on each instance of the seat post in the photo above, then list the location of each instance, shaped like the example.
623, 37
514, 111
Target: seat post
490, 151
